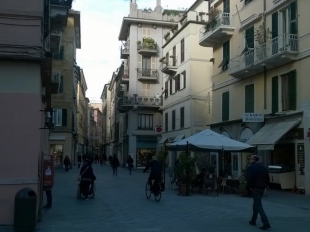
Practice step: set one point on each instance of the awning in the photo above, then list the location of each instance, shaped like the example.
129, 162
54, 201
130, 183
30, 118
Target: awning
163, 140
271, 133
178, 138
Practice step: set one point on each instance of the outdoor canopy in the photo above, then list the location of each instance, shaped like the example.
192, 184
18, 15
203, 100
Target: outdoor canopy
209, 140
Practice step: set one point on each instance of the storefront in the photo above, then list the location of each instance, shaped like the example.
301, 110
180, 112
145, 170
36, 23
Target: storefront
145, 149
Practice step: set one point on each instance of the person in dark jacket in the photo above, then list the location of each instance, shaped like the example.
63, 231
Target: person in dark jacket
130, 164
257, 180
115, 164
156, 171
66, 163
87, 178
110, 160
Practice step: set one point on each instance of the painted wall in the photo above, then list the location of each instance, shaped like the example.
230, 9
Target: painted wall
20, 136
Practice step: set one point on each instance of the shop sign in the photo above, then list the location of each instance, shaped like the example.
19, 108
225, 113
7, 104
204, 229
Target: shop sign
301, 158
253, 117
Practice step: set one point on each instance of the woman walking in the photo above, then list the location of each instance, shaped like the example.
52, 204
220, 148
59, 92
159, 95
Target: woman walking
66, 163
115, 164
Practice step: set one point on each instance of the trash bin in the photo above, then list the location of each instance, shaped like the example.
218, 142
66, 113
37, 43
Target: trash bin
25, 210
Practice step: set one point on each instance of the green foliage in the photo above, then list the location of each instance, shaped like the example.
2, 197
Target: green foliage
138, 42
185, 170
149, 40
172, 12
213, 13
260, 34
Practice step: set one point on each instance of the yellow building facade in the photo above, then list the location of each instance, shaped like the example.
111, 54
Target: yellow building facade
261, 61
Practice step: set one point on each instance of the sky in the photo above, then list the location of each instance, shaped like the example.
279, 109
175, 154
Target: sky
101, 21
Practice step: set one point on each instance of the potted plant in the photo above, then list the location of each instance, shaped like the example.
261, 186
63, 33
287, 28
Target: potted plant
213, 14
185, 172
138, 42
261, 37
148, 42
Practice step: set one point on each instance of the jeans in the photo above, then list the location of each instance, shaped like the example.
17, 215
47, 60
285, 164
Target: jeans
84, 188
49, 198
114, 171
155, 186
257, 195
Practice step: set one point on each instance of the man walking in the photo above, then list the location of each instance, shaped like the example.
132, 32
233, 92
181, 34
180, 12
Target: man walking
258, 179
129, 164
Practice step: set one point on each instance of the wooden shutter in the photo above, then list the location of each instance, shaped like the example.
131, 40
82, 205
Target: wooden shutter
61, 81
139, 61
275, 95
153, 63
148, 32
249, 99
182, 119
173, 120
226, 6
64, 117
292, 90
166, 85
170, 86
184, 79
182, 50
249, 37
166, 122
177, 83
144, 33
146, 89
174, 56
275, 25
293, 14
225, 106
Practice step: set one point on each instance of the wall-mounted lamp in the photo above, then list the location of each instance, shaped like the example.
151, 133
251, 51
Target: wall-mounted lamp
308, 134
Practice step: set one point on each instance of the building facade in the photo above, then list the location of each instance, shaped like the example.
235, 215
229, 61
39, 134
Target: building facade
96, 135
187, 74
25, 94
139, 103
106, 118
261, 57
82, 105
63, 138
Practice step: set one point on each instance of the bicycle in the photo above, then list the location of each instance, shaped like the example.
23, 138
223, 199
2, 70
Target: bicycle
149, 192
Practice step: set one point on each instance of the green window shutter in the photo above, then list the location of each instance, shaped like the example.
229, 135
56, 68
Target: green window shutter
61, 84
249, 37
249, 98
275, 25
226, 6
184, 81
292, 90
275, 95
64, 117
225, 106
293, 12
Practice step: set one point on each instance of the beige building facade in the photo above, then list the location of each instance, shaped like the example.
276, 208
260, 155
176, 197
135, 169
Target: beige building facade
106, 119
187, 78
261, 57
63, 137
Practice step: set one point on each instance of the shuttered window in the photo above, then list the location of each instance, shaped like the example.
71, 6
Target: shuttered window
249, 99
226, 56
226, 6
177, 83
173, 120
225, 106
166, 122
182, 118
166, 89
174, 56
275, 95
293, 17
182, 50
292, 90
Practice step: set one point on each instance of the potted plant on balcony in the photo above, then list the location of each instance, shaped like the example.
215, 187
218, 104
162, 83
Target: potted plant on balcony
259, 35
185, 172
213, 14
149, 43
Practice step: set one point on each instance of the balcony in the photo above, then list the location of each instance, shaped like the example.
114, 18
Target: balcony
136, 102
147, 74
169, 67
55, 41
59, 14
220, 29
125, 50
125, 77
145, 48
276, 52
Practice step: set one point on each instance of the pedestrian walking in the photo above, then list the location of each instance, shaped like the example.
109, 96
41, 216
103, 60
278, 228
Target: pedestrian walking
129, 164
258, 179
110, 160
115, 164
66, 163
101, 160
79, 161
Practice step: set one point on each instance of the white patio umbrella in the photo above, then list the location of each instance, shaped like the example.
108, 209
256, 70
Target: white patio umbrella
208, 140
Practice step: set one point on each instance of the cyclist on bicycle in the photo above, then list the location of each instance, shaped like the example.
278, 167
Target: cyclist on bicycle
155, 174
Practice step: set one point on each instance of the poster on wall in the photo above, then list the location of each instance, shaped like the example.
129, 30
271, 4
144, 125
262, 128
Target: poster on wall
301, 158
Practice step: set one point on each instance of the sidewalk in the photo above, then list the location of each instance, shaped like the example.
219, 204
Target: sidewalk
121, 206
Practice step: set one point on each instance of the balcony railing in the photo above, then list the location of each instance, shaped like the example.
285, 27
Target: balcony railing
140, 101
214, 31
125, 50
67, 3
147, 74
269, 53
169, 67
147, 48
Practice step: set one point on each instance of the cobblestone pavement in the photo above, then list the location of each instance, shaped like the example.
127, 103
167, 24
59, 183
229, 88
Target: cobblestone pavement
121, 206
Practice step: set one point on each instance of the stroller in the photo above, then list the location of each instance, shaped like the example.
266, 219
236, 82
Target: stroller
92, 189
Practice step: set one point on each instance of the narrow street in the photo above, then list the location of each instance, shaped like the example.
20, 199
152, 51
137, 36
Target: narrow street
121, 206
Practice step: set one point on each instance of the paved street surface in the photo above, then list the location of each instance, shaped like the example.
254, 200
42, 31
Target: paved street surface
121, 206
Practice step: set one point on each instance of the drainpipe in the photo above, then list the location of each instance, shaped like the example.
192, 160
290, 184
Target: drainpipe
265, 69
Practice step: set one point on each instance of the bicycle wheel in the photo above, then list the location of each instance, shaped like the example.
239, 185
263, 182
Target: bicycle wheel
148, 190
158, 196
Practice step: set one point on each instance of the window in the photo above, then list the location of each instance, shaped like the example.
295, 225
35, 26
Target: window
249, 46
167, 59
226, 6
145, 121
60, 117
225, 106
173, 120
183, 80
289, 19
166, 89
60, 55
146, 63
226, 56
177, 83
57, 77
174, 58
249, 99
171, 87
166, 122
275, 31
287, 90
146, 89
182, 50
182, 118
